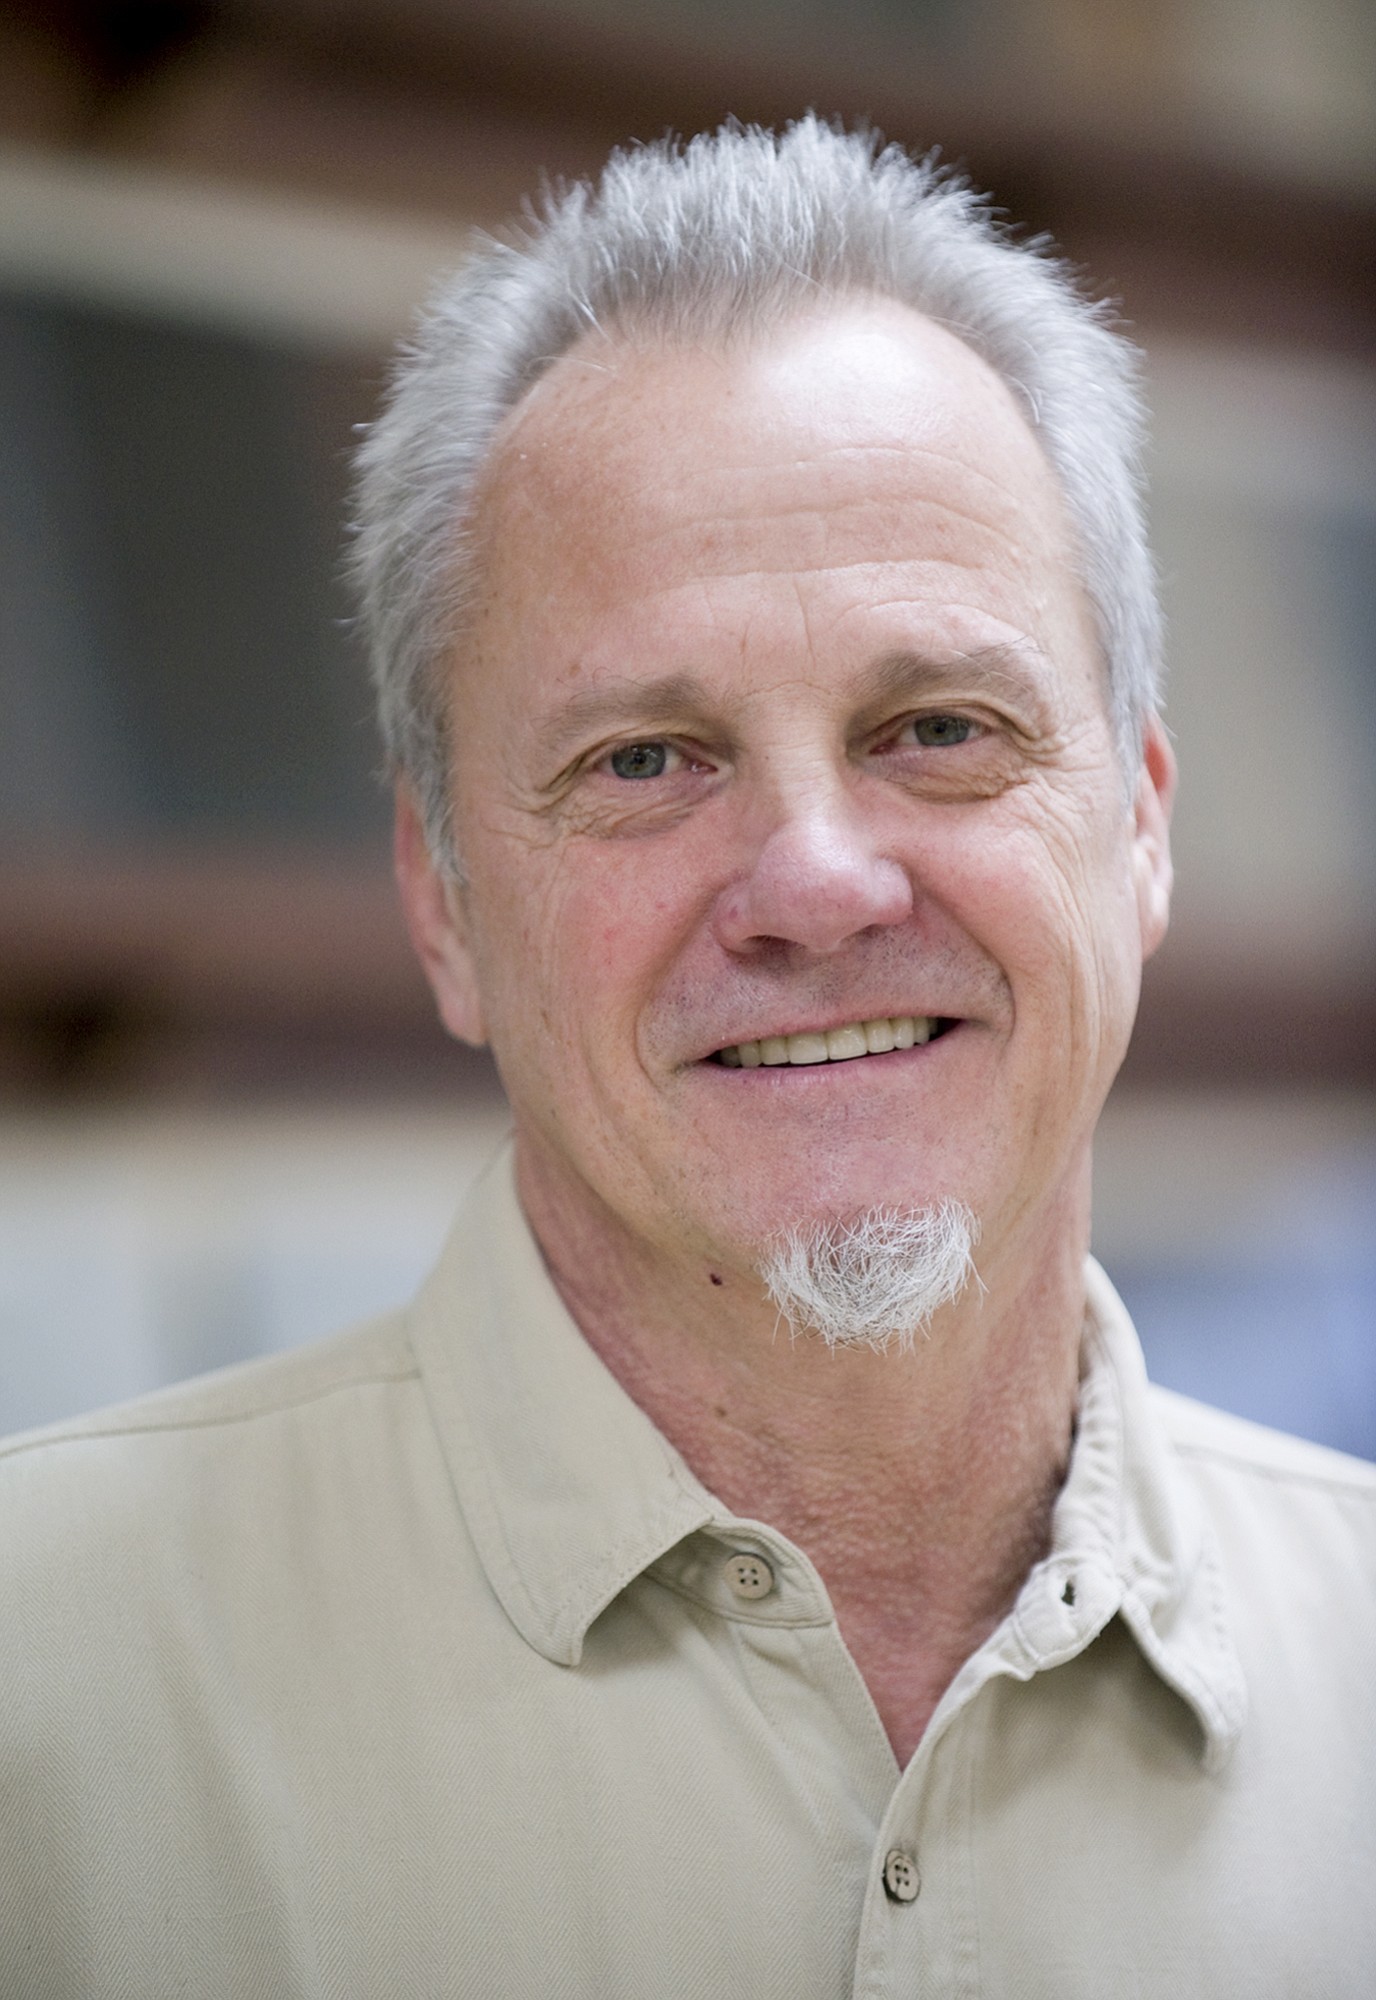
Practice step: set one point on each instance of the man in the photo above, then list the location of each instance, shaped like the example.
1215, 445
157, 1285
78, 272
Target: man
756, 1564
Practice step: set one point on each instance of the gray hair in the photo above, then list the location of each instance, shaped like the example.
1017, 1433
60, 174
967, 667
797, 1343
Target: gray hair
876, 1280
733, 231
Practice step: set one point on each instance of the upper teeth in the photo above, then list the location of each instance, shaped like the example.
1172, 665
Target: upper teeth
860, 1038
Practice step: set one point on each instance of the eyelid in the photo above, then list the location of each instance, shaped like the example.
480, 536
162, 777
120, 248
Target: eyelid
602, 760
980, 725
689, 753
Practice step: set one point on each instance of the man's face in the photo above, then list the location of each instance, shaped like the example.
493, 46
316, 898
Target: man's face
781, 713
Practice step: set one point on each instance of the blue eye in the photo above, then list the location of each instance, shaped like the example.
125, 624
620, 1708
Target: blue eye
934, 732
639, 760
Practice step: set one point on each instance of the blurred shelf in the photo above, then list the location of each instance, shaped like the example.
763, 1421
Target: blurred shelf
215, 975
1212, 208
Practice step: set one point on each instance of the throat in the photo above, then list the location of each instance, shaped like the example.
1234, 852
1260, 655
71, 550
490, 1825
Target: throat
913, 1609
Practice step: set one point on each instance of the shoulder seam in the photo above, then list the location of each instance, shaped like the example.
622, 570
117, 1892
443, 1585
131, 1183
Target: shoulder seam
49, 1441
1280, 1474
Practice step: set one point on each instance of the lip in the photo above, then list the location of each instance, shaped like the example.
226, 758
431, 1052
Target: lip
823, 1024
950, 1022
852, 1083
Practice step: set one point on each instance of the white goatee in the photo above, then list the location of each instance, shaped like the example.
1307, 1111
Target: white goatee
876, 1280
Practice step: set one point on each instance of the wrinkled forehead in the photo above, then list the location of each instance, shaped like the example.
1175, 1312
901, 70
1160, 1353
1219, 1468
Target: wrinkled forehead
629, 425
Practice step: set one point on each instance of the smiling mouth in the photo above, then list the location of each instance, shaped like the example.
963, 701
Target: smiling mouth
858, 1038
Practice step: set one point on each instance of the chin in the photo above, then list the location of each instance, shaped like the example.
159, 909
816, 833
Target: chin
838, 1198
876, 1279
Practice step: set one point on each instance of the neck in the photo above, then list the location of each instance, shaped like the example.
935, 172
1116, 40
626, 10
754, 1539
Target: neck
919, 1483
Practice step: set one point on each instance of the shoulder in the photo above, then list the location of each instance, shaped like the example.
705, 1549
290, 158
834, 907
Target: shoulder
379, 1350
1213, 1440
71, 1475
1295, 1523
219, 1508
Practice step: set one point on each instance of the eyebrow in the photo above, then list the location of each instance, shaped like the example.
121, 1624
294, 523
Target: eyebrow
663, 701
1018, 673
628, 702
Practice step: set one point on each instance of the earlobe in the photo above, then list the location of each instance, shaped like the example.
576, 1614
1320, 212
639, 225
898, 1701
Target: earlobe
1151, 851
437, 924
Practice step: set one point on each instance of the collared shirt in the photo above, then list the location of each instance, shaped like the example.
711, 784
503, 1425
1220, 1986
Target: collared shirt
420, 1664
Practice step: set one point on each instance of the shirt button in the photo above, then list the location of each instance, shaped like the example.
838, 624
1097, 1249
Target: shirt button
749, 1576
901, 1880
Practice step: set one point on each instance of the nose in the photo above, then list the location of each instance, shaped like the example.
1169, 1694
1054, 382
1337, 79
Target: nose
815, 879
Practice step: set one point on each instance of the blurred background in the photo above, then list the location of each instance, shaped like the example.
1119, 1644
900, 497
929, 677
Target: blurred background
228, 1121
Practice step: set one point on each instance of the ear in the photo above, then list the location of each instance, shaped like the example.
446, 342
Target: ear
436, 919
1151, 840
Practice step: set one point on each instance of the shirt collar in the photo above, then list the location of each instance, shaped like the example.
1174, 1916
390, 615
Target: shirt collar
570, 1492
568, 1489
1129, 1538
1131, 1507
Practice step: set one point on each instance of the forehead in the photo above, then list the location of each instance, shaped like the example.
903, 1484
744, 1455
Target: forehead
621, 418
858, 450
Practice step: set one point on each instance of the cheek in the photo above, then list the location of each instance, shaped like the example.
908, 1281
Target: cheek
595, 932
1050, 897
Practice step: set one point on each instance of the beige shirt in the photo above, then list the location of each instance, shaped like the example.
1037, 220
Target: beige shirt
418, 1664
